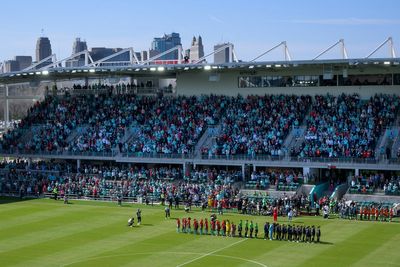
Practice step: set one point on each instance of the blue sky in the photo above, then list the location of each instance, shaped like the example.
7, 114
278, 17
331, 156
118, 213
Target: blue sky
308, 26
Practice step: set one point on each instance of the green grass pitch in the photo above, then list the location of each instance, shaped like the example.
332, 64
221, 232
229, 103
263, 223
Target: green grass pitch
46, 232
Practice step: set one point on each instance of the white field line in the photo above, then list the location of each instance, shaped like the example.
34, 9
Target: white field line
212, 252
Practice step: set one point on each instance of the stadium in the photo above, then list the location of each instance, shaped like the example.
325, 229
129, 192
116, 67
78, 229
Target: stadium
316, 140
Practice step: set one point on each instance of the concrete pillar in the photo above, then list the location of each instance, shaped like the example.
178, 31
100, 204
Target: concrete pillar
184, 169
187, 168
6, 108
29, 163
356, 172
254, 168
78, 164
243, 172
306, 173
309, 172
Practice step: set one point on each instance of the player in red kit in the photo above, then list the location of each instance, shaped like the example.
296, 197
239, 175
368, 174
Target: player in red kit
213, 227
275, 214
188, 226
178, 225
201, 226
218, 227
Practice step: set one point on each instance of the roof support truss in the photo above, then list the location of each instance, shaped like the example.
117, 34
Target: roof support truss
285, 51
342, 49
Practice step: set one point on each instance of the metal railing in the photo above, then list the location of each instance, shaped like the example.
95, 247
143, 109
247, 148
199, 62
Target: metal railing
243, 157
258, 157
33, 153
157, 155
335, 160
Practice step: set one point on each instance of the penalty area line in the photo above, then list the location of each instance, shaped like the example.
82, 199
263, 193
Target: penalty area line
210, 253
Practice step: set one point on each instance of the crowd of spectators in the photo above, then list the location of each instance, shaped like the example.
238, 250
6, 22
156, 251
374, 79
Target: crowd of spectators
213, 174
164, 124
366, 183
343, 126
346, 126
175, 124
44, 166
375, 181
263, 204
281, 179
50, 121
163, 184
258, 124
392, 186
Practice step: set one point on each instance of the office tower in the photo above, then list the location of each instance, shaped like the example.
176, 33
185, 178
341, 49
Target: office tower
43, 48
197, 49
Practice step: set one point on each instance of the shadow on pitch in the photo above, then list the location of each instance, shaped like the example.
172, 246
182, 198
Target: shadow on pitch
7, 200
325, 243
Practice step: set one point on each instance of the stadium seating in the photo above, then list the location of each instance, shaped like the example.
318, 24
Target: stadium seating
375, 182
107, 182
346, 126
259, 124
337, 127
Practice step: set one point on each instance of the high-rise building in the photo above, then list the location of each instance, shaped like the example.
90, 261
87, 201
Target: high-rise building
11, 65
225, 55
197, 49
98, 53
18, 63
43, 48
23, 61
162, 44
143, 56
79, 46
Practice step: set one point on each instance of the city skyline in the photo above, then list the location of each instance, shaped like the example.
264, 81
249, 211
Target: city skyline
253, 27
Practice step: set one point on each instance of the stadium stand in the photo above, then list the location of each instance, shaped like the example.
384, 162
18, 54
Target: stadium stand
259, 124
346, 126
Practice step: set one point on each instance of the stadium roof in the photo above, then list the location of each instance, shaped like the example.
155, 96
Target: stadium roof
171, 70
58, 69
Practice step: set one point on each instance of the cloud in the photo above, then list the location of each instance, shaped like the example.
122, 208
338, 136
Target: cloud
346, 21
215, 19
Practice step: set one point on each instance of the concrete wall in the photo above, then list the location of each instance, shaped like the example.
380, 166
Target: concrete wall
198, 82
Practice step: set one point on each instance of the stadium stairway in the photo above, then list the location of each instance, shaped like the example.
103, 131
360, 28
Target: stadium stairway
28, 133
318, 191
130, 133
339, 191
74, 134
295, 138
206, 139
396, 142
304, 189
386, 140
289, 139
